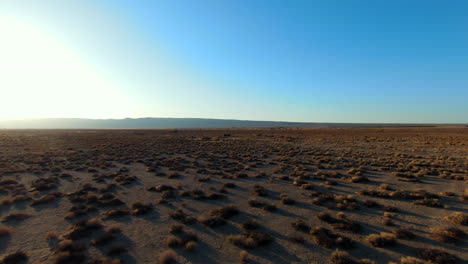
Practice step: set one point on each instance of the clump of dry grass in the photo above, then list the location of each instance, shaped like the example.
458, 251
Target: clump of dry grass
447, 235
176, 229
437, 256
104, 239
327, 239
403, 233
250, 225
51, 236
16, 217
259, 190
250, 240
458, 218
141, 208
69, 252
382, 240
264, 205
5, 231
191, 245
300, 225
167, 257
341, 257
116, 250
243, 256
286, 200
429, 202
226, 212
116, 213
409, 260
15, 258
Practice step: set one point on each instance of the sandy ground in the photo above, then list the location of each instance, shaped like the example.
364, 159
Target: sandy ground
433, 159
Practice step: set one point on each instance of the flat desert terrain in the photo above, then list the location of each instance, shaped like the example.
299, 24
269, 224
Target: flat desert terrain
296, 195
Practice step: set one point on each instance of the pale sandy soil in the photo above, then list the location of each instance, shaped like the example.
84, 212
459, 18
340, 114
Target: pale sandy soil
436, 157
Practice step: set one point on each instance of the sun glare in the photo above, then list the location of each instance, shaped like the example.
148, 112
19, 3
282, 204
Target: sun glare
42, 77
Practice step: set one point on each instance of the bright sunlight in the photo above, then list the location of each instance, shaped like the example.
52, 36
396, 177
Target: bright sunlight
41, 77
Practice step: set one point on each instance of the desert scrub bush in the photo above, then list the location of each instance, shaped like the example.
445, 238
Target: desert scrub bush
260, 204
176, 229
437, 256
300, 225
16, 217
46, 199
116, 250
103, 239
458, 218
250, 240
191, 245
243, 256
250, 225
226, 211
382, 240
286, 200
341, 257
15, 258
429, 202
116, 213
160, 188
403, 233
5, 231
447, 235
167, 257
327, 239
259, 190
139, 208
326, 217
51, 236
296, 239
212, 221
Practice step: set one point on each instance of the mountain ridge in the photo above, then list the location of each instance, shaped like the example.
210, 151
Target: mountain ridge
167, 123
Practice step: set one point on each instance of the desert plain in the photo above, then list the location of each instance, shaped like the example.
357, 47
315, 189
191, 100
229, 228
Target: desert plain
272, 195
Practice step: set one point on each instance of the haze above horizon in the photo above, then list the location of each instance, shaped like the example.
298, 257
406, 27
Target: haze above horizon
310, 61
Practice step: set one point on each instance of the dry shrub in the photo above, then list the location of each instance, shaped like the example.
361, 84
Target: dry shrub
116, 250
116, 213
403, 233
212, 221
176, 229
191, 245
103, 239
411, 260
458, 218
326, 217
226, 212
429, 202
243, 255
437, 256
16, 217
250, 225
341, 257
447, 235
300, 225
167, 257
5, 231
286, 200
139, 208
327, 239
250, 240
382, 240
15, 258
51, 236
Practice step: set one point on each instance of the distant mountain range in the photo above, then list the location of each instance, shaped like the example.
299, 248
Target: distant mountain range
148, 123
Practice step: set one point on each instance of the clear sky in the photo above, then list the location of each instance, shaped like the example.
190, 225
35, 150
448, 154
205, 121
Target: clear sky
318, 61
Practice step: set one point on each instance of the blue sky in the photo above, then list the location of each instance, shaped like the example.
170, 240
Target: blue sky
323, 61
